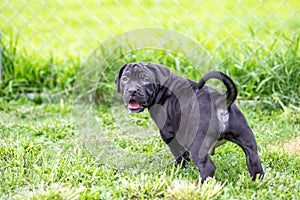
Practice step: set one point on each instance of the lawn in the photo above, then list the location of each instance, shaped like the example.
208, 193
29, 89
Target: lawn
66, 135
49, 151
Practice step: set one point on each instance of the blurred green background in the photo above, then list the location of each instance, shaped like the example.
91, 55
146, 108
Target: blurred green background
76, 27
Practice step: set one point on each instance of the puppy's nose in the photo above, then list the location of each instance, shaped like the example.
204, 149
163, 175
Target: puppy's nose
131, 91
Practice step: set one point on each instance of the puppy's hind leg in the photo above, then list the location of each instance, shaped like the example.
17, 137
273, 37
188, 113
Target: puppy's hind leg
244, 137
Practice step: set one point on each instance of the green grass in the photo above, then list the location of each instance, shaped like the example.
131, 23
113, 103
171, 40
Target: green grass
49, 152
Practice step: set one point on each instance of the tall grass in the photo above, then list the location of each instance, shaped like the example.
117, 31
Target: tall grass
26, 73
267, 73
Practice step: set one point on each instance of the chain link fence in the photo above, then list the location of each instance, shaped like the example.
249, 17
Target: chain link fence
64, 27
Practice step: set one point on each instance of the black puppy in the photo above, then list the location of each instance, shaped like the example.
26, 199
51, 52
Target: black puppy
193, 119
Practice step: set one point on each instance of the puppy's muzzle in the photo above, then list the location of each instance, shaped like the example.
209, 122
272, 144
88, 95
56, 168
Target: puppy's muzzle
135, 99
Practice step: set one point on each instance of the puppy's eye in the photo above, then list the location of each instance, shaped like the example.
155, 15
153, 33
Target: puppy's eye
146, 79
125, 78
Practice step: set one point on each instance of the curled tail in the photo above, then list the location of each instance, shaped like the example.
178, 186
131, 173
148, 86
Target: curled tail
231, 93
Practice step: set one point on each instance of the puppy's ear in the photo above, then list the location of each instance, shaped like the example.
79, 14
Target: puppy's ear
117, 80
162, 73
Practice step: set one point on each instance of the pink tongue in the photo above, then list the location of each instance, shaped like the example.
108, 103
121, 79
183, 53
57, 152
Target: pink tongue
133, 105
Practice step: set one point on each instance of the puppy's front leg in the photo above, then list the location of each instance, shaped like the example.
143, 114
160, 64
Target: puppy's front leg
180, 153
205, 165
199, 151
183, 160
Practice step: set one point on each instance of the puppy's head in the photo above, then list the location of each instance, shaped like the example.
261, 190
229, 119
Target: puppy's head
138, 83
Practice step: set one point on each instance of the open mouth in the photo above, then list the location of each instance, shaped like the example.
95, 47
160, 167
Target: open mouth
133, 105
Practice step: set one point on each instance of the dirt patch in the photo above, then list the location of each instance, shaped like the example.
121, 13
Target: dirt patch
292, 146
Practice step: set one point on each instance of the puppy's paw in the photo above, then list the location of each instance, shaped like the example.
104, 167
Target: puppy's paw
181, 162
259, 175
